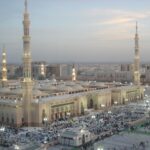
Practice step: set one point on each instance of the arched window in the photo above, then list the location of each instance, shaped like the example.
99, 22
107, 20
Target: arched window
2, 119
43, 115
82, 109
91, 103
12, 121
7, 120
22, 121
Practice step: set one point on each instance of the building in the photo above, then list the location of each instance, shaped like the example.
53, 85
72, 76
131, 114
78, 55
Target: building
66, 71
74, 138
53, 69
34, 103
39, 70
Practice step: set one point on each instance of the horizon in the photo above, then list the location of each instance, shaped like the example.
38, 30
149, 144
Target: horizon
76, 31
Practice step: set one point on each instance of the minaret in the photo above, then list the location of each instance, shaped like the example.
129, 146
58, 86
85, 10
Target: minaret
137, 59
27, 80
4, 68
73, 73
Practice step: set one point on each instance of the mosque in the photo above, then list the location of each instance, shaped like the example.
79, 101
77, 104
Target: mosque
33, 103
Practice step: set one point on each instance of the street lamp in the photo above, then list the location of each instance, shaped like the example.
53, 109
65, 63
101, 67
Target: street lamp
2, 129
109, 112
147, 103
115, 102
100, 148
93, 117
68, 115
45, 119
102, 105
16, 147
82, 131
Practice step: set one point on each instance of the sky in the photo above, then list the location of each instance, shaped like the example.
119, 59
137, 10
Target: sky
76, 30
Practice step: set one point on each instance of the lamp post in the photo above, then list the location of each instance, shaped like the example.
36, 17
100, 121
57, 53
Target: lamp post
126, 100
68, 115
109, 112
103, 106
138, 97
16, 147
93, 117
100, 148
45, 119
115, 102
2, 129
147, 103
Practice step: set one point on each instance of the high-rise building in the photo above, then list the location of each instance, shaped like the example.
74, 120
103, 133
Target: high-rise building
39, 70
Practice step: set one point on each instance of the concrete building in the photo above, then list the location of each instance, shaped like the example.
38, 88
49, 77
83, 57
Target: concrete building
66, 71
39, 70
53, 69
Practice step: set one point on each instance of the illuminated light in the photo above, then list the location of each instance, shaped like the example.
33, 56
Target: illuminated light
115, 102
4, 61
2, 129
93, 117
42, 65
42, 73
147, 101
4, 54
45, 119
82, 131
109, 112
102, 105
4, 69
4, 79
16, 147
68, 113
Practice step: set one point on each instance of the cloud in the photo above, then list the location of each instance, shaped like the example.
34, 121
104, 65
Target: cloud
116, 21
116, 16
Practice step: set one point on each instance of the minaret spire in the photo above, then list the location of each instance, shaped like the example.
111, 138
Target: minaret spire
4, 67
137, 59
74, 78
26, 45
27, 84
136, 27
26, 6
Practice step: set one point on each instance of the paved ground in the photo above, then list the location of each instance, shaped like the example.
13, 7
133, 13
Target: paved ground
125, 141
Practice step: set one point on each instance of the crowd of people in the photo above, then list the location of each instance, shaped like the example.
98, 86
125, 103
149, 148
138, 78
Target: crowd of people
101, 124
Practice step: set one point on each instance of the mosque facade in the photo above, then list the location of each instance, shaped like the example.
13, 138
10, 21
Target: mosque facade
35, 103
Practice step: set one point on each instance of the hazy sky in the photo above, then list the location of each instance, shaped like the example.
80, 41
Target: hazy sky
76, 30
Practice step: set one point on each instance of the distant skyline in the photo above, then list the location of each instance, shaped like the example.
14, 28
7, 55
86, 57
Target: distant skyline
76, 30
